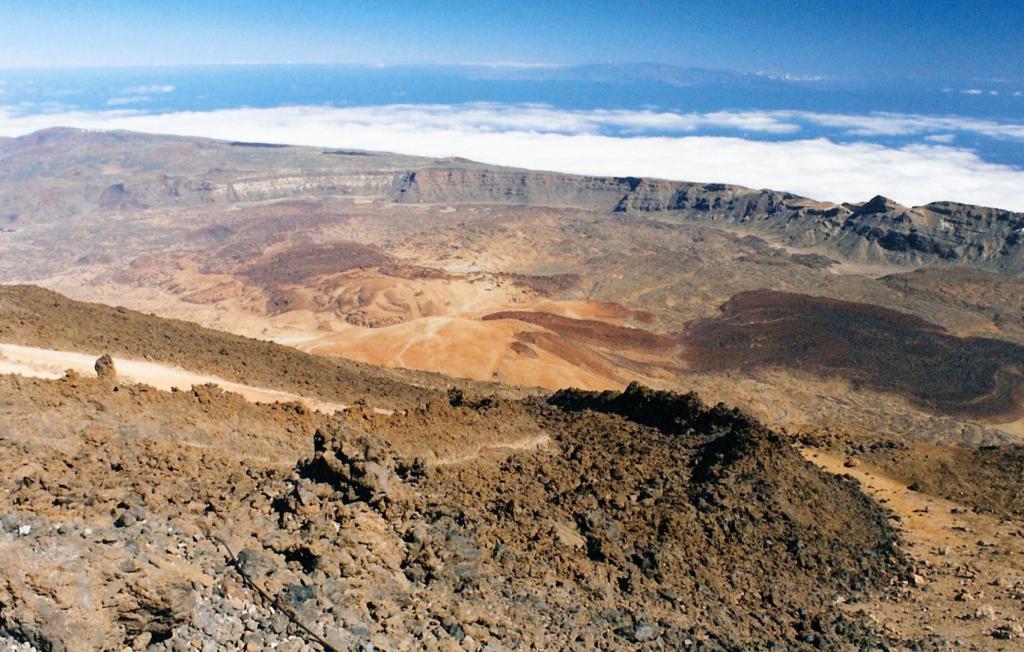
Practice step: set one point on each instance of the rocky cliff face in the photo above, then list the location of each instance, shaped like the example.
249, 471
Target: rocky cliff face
879, 230
507, 186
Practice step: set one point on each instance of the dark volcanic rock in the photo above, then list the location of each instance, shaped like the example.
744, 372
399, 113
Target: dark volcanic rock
880, 348
105, 367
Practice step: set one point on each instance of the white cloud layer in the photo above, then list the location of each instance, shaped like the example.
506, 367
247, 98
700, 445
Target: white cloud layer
904, 124
148, 89
541, 137
132, 99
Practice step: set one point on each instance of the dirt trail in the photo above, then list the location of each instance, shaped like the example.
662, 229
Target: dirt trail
526, 444
971, 564
922, 515
51, 363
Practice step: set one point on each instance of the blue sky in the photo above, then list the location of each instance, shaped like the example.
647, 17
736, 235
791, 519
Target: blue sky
867, 38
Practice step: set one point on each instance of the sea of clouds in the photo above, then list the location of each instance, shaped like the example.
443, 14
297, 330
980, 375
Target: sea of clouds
782, 150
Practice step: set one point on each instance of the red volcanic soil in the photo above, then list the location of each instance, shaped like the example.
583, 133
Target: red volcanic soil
596, 333
868, 345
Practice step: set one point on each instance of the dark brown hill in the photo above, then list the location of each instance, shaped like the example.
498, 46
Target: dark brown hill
865, 344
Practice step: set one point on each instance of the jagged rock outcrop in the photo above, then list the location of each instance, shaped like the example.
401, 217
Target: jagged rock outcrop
105, 369
878, 230
360, 468
477, 184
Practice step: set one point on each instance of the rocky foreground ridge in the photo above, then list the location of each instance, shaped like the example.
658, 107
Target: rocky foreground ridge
628, 520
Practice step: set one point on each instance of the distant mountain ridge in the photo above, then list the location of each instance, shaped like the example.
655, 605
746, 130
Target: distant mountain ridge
876, 231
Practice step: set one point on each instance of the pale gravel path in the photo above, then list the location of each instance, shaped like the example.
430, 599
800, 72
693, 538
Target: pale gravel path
50, 363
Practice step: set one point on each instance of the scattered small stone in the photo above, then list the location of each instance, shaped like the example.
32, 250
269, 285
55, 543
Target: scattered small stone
1008, 632
643, 632
985, 612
